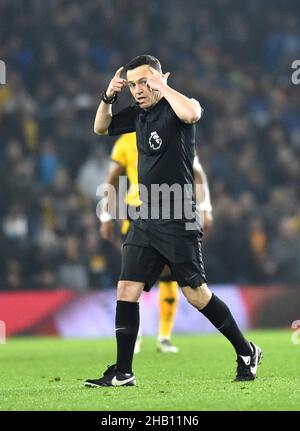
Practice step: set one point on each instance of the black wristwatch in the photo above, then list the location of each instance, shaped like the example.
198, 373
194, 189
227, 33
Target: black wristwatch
109, 100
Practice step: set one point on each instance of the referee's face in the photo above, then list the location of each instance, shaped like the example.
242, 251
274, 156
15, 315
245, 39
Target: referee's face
140, 90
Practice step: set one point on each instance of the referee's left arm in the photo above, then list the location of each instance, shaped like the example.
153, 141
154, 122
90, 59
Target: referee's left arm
187, 110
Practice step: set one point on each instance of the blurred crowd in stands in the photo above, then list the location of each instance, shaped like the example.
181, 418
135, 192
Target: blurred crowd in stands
234, 57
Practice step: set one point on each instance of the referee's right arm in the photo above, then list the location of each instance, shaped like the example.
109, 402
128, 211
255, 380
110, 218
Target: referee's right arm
104, 111
103, 119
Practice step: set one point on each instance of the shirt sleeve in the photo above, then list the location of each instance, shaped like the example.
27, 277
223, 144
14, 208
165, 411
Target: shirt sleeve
123, 121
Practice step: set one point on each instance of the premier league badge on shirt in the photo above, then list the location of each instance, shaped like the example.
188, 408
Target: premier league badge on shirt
155, 141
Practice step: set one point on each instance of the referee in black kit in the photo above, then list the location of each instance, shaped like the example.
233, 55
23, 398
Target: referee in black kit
164, 121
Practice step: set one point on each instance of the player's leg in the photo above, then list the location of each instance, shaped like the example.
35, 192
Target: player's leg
126, 328
141, 267
190, 275
217, 312
127, 322
168, 302
139, 340
124, 231
219, 315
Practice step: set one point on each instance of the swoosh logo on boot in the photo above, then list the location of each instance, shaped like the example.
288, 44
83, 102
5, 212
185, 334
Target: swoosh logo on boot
116, 382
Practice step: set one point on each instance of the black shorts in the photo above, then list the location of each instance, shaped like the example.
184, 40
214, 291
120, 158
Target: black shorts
152, 244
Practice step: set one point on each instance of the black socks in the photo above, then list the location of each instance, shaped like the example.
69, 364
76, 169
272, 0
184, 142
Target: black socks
128, 322
220, 316
127, 326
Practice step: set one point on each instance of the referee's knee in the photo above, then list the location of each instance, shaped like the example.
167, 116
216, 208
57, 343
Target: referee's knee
198, 297
129, 290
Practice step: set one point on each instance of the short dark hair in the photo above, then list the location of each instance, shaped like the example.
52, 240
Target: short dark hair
140, 60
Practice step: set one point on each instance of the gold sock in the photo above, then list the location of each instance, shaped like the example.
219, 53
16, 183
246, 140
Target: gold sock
168, 301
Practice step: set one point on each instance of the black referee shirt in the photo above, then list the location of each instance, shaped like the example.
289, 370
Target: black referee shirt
166, 145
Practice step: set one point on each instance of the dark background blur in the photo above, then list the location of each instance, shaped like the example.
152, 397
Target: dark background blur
233, 56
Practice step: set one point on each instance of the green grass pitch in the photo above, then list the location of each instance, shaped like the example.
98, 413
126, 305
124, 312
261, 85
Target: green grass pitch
48, 374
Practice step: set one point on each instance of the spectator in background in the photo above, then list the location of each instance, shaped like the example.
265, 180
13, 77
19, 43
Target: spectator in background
13, 275
96, 261
48, 163
283, 261
14, 247
15, 224
93, 173
72, 274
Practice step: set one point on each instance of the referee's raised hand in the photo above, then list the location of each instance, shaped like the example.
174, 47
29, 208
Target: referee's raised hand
157, 79
117, 84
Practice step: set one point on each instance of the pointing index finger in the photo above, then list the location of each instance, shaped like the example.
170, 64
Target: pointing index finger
118, 72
